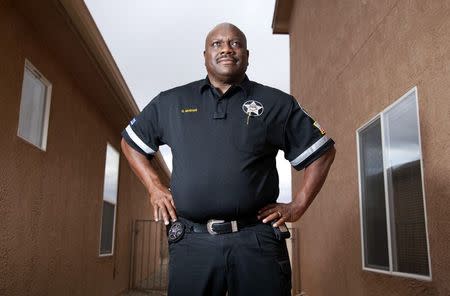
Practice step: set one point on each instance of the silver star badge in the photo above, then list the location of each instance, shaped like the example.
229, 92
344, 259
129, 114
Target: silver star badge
253, 108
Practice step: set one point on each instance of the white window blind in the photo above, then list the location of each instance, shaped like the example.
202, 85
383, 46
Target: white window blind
109, 207
34, 107
393, 221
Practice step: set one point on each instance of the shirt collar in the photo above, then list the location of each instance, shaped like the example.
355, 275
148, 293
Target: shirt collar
244, 85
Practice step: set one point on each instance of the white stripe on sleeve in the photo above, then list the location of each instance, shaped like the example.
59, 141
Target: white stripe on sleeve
138, 141
313, 148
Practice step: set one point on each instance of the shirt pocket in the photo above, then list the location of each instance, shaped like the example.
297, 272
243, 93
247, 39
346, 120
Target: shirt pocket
250, 134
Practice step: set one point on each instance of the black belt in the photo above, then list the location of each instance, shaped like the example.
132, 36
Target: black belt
214, 226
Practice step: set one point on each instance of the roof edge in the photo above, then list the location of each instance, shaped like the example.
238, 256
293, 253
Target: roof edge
282, 16
89, 34
86, 28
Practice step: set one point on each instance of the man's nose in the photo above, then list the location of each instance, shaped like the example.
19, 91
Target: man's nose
226, 48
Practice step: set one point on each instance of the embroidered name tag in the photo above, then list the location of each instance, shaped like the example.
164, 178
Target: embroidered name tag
189, 110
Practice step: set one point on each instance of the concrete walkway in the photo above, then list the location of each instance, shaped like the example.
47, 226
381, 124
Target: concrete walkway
142, 293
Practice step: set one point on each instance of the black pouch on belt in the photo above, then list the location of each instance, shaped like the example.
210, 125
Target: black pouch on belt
281, 232
175, 231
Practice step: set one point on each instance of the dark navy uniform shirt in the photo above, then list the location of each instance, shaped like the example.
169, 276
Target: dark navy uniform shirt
224, 147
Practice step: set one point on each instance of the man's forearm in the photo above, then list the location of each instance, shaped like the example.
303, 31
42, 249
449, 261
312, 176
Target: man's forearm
160, 196
313, 179
141, 167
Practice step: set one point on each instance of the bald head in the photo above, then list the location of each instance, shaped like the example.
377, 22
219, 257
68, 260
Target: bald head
226, 54
226, 26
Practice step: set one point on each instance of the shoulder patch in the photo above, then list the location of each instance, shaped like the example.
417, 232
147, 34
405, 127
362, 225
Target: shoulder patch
322, 131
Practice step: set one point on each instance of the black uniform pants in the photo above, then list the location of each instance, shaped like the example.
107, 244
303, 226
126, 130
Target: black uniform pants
249, 262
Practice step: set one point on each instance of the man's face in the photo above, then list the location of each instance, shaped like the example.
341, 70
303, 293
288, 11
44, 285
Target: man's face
226, 54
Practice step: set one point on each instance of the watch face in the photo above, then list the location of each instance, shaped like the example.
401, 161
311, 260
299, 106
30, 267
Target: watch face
176, 232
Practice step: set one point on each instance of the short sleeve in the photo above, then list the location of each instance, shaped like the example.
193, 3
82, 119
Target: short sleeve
143, 132
304, 138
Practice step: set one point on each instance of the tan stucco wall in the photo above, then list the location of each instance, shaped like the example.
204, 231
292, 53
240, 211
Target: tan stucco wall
50, 202
350, 60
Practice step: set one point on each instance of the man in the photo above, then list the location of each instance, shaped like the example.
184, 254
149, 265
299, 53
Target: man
225, 132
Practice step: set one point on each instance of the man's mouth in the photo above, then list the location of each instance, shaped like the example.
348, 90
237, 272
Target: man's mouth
226, 60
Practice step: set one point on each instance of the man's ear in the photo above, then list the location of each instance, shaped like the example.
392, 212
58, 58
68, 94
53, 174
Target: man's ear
248, 55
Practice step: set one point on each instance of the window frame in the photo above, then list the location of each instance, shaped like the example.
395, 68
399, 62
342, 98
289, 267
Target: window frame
381, 115
115, 206
46, 116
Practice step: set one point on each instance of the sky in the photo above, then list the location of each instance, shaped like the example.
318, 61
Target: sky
159, 44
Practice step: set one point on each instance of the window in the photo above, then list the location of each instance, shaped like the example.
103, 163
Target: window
109, 201
392, 204
34, 107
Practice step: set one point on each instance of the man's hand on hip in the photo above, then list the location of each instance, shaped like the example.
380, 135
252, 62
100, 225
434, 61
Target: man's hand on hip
162, 202
313, 179
280, 212
160, 197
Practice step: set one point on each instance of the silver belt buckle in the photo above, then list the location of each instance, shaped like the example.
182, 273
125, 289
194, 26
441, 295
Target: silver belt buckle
209, 224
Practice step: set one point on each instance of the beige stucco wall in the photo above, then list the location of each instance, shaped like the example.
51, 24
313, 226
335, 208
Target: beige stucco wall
50, 202
350, 60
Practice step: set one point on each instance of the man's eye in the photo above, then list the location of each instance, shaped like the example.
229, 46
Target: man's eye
235, 44
216, 44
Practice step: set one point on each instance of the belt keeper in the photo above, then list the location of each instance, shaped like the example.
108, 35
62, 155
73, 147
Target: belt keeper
234, 226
